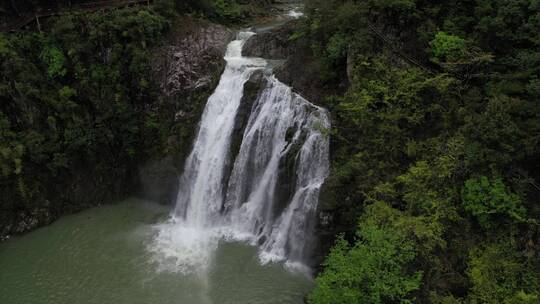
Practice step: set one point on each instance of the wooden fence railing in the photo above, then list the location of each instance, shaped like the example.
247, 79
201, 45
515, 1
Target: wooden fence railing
82, 7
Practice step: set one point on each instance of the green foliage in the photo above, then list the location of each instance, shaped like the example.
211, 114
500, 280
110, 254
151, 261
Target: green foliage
489, 201
337, 47
424, 131
398, 5
223, 11
72, 99
499, 275
166, 8
321, 128
375, 269
447, 47
227, 9
54, 60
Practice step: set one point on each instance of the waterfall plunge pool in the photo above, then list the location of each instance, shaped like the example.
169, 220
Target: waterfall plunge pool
100, 256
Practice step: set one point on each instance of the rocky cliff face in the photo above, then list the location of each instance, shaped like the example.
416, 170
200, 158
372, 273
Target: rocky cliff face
297, 69
84, 187
185, 70
191, 58
271, 44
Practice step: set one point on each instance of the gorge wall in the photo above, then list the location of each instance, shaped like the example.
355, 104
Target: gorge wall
185, 71
163, 113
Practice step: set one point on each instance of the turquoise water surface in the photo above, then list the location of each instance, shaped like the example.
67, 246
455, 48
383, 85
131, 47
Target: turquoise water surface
101, 256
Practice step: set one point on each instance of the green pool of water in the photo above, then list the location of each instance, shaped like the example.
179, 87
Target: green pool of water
100, 256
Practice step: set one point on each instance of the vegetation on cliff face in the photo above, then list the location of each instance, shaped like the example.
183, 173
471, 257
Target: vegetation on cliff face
72, 106
434, 162
224, 11
77, 111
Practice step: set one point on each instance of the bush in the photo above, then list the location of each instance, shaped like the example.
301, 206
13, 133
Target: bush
490, 201
376, 269
447, 47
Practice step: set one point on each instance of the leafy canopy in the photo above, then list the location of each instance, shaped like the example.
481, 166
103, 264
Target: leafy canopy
491, 201
375, 269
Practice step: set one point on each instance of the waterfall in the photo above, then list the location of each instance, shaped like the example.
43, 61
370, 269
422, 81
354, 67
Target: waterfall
266, 194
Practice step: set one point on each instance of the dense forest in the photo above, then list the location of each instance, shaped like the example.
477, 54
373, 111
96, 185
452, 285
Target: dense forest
72, 109
435, 149
435, 138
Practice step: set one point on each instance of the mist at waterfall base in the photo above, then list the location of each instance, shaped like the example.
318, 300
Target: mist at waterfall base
233, 197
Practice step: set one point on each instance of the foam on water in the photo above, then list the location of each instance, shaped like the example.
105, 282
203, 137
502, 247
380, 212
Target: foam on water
181, 248
295, 13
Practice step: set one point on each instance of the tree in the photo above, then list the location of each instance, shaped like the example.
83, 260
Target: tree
499, 275
458, 56
375, 269
490, 202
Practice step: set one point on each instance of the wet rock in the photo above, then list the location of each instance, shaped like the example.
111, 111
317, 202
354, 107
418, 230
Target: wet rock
287, 174
262, 240
252, 89
272, 44
191, 56
299, 70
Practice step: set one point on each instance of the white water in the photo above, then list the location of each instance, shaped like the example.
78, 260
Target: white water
295, 13
283, 131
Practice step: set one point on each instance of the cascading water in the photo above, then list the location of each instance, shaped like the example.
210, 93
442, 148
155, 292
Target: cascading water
285, 139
